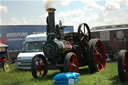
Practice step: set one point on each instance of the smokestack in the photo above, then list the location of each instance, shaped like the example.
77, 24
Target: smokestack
51, 24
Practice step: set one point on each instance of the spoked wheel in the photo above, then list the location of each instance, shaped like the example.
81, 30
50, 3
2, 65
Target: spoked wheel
6, 66
37, 67
71, 63
123, 65
97, 55
84, 34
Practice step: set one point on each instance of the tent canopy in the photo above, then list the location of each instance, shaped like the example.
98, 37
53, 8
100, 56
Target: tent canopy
3, 45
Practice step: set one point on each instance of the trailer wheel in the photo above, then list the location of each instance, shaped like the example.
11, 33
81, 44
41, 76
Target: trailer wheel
37, 67
6, 66
123, 65
96, 56
71, 63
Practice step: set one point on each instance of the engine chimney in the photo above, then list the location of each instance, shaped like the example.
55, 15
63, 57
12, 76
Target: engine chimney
51, 24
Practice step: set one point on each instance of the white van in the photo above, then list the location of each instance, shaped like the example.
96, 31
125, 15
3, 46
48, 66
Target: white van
33, 45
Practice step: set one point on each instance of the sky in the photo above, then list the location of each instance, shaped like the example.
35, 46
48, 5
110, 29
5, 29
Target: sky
70, 12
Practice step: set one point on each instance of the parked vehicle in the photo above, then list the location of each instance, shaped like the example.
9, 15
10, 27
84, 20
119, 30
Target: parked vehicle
114, 37
4, 62
68, 51
33, 45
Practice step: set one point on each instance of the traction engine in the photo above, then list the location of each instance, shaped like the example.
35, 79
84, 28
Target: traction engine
68, 51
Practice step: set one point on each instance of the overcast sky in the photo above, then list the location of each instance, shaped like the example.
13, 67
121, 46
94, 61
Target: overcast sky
71, 12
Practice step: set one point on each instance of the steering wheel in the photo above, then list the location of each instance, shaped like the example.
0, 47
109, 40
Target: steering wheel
82, 34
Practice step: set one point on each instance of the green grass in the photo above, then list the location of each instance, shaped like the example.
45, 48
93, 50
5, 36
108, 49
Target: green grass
107, 77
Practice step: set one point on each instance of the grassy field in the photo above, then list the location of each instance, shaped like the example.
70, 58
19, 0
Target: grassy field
107, 77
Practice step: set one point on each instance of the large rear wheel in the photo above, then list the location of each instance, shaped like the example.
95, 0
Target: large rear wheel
96, 56
71, 63
37, 67
123, 65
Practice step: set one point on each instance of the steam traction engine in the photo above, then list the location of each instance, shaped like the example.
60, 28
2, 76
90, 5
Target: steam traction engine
123, 65
68, 51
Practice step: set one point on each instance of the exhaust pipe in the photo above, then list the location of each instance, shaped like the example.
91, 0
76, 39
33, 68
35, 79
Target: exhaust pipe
51, 24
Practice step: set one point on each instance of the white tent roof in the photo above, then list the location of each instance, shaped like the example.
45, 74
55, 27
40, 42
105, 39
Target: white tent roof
3, 45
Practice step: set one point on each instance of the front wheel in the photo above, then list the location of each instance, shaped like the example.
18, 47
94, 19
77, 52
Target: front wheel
6, 66
38, 66
96, 56
123, 65
71, 63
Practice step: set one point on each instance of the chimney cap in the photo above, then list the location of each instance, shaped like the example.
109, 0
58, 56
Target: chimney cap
51, 9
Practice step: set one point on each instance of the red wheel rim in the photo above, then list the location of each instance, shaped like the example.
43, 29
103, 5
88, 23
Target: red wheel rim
40, 62
73, 64
100, 57
126, 65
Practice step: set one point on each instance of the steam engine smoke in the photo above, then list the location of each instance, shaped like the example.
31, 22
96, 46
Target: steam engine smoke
48, 4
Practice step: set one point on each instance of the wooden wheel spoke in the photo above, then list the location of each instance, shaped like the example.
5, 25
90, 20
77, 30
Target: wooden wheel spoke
100, 65
70, 67
96, 60
99, 49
